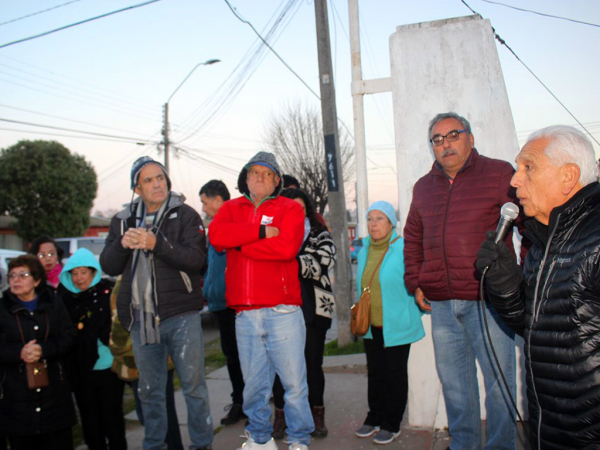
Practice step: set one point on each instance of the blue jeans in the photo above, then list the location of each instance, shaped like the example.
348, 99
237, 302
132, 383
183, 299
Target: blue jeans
181, 338
459, 338
271, 340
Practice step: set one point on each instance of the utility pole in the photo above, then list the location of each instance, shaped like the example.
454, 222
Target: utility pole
335, 183
166, 135
362, 186
165, 130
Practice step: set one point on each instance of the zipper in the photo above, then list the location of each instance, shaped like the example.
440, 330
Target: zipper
60, 371
2, 385
534, 315
444, 238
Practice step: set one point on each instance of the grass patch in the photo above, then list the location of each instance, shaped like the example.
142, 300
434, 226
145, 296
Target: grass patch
332, 348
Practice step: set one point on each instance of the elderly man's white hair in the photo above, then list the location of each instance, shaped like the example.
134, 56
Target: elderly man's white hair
569, 145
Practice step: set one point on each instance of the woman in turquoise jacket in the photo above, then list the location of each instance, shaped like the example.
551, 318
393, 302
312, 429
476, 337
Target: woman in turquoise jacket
395, 324
98, 391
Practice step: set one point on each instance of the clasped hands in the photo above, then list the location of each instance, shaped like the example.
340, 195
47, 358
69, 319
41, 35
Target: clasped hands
139, 239
31, 352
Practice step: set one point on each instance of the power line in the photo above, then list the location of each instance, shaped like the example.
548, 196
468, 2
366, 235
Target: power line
542, 14
143, 140
83, 86
39, 12
503, 42
233, 10
230, 88
78, 23
61, 118
45, 133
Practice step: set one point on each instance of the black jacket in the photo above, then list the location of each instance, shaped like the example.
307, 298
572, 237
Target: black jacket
90, 315
179, 256
557, 310
24, 411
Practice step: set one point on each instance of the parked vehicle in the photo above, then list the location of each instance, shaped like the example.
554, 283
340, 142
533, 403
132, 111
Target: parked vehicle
355, 247
70, 245
5, 256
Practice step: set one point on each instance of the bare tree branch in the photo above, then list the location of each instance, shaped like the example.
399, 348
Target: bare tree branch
296, 138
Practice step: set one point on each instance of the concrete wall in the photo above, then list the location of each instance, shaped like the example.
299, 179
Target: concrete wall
447, 65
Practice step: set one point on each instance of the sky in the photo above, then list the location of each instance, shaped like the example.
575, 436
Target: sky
113, 75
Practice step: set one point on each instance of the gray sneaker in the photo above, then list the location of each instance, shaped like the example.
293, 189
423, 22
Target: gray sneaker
385, 437
366, 431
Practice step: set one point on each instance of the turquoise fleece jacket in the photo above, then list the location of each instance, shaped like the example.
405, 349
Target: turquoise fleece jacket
81, 258
401, 315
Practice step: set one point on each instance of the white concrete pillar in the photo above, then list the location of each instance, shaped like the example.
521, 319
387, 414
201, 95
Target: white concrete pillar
441, 66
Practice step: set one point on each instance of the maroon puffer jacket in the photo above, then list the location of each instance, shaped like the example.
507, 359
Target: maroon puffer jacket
447, 223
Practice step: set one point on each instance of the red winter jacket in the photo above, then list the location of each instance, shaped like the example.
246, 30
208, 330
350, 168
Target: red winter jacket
261, 273
447, 223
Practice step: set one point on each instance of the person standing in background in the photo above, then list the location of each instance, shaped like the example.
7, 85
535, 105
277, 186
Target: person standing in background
212, 196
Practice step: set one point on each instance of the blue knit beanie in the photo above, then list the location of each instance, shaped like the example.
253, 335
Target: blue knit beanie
385, 208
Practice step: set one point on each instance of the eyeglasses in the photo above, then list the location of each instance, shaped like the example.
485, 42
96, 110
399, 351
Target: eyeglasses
22, 275
452, 136
44, 255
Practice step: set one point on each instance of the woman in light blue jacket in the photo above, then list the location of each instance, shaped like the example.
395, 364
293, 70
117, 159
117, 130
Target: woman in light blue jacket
395, 324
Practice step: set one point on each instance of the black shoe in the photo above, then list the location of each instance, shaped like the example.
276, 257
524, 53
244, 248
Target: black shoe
236, 413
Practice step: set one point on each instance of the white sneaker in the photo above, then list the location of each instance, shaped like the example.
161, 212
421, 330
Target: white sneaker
297, 446
250, 444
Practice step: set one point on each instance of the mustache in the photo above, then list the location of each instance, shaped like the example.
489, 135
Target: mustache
448, 151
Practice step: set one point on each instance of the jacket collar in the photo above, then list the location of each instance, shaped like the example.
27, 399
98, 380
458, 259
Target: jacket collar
175, 199
565, 216
44, 294
471, 160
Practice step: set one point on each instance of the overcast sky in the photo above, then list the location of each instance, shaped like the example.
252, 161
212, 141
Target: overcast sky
112, 76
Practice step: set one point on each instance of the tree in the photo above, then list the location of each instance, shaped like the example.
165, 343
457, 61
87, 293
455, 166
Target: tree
46, 188
296, 138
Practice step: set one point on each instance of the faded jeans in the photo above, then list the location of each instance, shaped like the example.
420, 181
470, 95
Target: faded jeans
459, 338
271, 340
181, 338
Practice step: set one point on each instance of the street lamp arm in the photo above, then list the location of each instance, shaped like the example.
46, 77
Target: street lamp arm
205, 63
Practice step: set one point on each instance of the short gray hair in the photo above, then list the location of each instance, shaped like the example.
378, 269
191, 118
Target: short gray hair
443, 116
567, 145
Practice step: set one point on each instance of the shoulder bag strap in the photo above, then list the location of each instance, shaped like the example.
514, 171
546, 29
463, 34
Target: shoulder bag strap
379, 263
21, 329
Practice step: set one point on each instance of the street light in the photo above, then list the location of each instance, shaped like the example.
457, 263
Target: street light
165, 130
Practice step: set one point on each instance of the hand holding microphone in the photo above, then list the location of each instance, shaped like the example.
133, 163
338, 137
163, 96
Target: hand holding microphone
494, 259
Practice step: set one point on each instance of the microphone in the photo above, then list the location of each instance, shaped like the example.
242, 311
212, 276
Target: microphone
508, 214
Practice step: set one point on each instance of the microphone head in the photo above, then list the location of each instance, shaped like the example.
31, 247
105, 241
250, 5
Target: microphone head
510, 211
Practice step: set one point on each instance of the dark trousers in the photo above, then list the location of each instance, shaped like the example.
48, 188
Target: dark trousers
173, 438
100, 403
313, 353
226, 320
387, 369
56, 440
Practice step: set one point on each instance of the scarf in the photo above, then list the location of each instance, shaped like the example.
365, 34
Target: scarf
52, 275
143, 294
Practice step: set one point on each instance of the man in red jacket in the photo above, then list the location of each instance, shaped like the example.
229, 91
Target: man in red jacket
262, 233
452, 208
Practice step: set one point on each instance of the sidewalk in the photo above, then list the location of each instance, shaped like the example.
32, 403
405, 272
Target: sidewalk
346, 407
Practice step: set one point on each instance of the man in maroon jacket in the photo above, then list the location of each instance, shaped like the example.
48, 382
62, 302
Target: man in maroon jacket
452, 208
262, 233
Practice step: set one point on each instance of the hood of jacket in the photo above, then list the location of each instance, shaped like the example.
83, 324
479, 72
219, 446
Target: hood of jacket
262, 158
174, 199
81, 258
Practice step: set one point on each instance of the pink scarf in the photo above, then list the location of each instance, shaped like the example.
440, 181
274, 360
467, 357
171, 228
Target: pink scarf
53, 274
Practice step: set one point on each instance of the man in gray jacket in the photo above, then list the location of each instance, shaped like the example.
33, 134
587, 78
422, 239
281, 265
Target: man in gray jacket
157, 244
